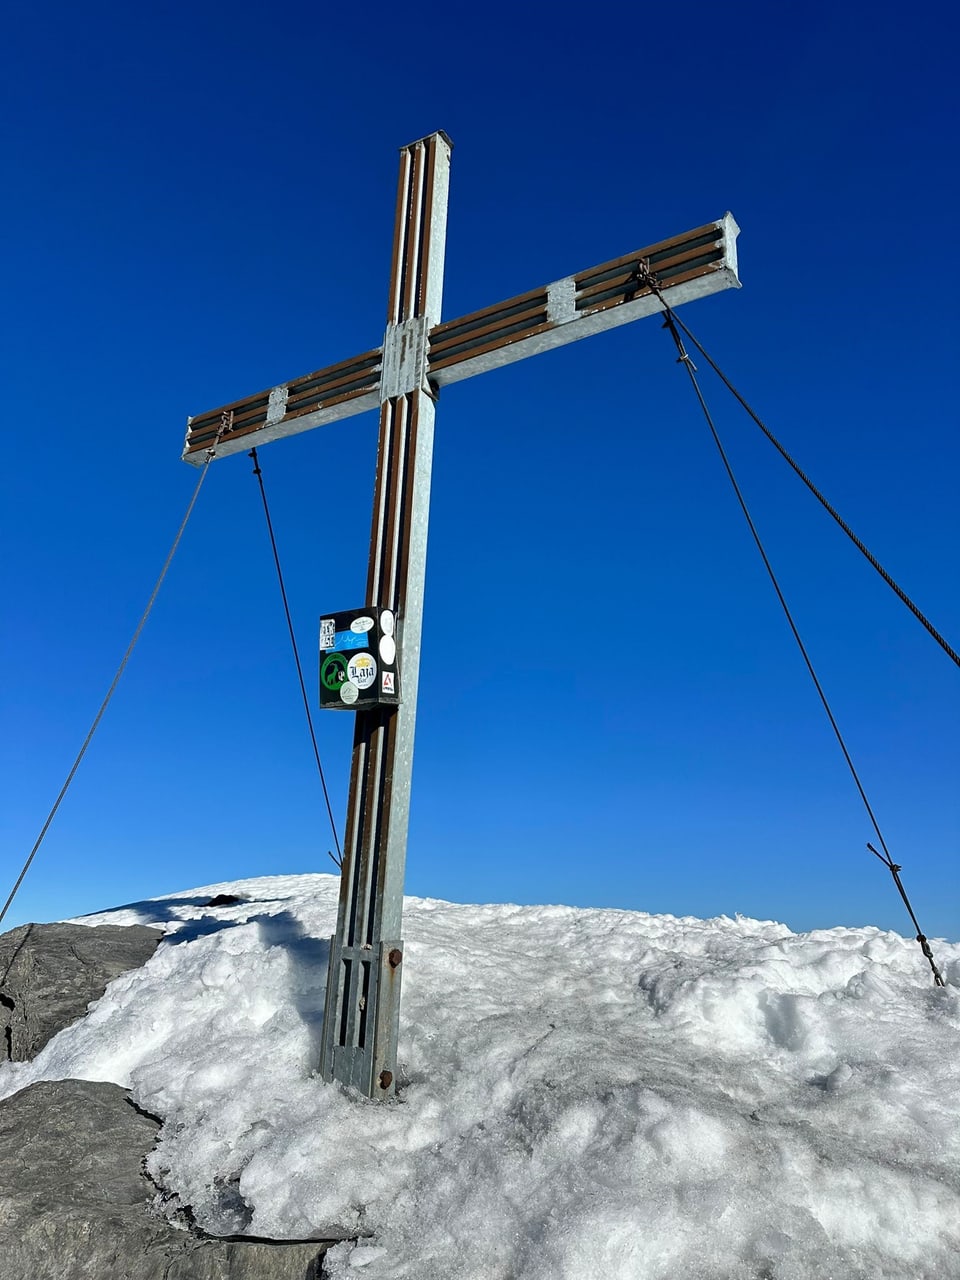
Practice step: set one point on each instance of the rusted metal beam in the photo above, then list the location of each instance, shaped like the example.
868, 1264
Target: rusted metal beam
688, 266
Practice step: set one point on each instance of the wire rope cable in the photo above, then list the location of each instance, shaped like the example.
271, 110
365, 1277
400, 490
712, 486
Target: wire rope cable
871, 558
296, 657
684, 359
211, 453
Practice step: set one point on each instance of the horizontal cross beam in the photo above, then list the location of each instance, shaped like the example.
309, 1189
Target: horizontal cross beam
700, 262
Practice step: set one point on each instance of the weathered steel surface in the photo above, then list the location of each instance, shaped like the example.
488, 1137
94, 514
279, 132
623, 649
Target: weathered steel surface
701, 262
311, 401
363, 990
687, 266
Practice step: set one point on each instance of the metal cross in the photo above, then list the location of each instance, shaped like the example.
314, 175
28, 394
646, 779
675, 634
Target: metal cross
402, 377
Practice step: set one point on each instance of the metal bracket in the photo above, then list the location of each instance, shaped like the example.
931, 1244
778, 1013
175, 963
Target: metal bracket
404, 366
276, 405
362, 1053
562, 300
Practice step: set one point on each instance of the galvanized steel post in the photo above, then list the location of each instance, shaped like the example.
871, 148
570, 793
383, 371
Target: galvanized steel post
366, 953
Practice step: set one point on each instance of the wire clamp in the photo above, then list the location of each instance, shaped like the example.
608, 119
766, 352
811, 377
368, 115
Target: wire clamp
645, 279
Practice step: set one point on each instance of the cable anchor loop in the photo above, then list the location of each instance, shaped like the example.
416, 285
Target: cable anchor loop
226, 424
649, 280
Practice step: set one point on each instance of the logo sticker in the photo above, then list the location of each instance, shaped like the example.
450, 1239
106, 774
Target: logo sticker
388, 650
333, 672
349, 640
328, 629
360, 625
387, 622
388, 682
362, 670
348, 693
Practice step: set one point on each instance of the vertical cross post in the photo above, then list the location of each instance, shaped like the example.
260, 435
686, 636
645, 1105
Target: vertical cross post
366, 953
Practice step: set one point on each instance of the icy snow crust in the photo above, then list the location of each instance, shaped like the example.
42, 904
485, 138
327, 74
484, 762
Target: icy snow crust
585, 1095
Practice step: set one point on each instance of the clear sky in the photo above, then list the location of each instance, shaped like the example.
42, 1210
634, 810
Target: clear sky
199, 204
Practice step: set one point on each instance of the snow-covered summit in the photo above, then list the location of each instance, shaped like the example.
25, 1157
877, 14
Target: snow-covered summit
584, 1094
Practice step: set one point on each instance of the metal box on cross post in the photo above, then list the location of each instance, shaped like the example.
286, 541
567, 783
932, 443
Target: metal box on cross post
358, 660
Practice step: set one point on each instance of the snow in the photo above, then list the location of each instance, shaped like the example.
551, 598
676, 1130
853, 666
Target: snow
585, 1094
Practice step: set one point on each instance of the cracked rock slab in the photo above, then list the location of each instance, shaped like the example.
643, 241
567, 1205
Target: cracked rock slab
49, 974
75, 1204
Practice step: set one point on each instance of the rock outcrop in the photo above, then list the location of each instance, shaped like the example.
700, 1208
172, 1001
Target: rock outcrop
49, 973
75, 1204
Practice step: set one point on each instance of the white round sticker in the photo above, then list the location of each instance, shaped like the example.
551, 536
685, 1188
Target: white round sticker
362, 670
360, 625
348, 692
388, 650
386, 622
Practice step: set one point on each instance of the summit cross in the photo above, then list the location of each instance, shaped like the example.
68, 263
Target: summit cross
402, 377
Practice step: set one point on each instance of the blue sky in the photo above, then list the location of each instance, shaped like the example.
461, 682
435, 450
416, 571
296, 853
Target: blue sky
201, 206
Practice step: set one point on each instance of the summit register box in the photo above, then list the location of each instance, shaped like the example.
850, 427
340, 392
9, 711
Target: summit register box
358, 660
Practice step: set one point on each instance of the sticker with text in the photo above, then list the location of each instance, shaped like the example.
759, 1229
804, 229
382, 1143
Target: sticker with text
362, 670
328, 629
389, 685
360, 625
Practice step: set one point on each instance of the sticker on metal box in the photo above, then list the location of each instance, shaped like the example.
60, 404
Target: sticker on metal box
348, 693
349, 640
388, 650
362, 670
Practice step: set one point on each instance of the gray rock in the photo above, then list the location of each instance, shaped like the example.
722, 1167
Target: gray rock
75, 1204
49, 973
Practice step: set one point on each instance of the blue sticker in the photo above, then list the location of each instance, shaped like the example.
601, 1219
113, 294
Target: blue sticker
350, 640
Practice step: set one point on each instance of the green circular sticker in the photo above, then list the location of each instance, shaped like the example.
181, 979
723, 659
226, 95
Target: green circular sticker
333, 672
